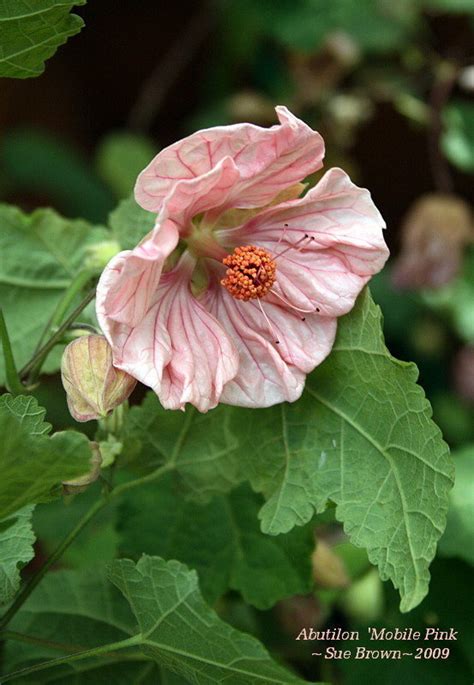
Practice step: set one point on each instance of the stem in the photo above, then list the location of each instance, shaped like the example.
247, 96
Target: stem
444, 83
154, 475
69, 539
29, 639
75, 287
34, 365
14, 385
166, 72
59, 551
106, 650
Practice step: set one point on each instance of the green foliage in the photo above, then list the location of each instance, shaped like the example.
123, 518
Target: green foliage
41, 253
450, 6
221, 540
326, 446
361, 436
34, 161
458, 139
201, 448
16, 549
374, 26
74, 608
120, 157
52, 521
180, 632
31, 462
437, 610
30, 34
455, 300
181, 639
459, 533
130, 223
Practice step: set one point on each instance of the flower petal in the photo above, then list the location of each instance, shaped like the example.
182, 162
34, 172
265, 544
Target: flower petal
178, 348
344, 246
128, 283
269, 372
268, 160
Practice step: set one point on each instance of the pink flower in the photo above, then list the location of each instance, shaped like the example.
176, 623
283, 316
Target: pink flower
235, 293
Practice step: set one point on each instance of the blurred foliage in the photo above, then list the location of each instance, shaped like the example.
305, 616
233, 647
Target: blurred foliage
458, 141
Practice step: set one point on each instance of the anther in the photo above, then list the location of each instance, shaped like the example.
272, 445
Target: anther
251, 273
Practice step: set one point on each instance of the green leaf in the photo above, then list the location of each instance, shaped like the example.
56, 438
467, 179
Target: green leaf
180, 632
31, 33
52, 521
79, 609
201, 448
362, 436
31, 462
44, 164
221, 540
41, 253
459, 534
458, 140
16, 550
130, 223
83, 609
120, 157
27, 412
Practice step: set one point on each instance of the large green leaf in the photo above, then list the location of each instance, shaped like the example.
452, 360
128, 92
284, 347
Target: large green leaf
180, 632
80, 609
31, 462
201, 447
41, 253
181, 641
31, 32
458, 538
16, 550
362, 436
221, 540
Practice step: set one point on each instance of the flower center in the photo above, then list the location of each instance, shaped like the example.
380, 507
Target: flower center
251, 273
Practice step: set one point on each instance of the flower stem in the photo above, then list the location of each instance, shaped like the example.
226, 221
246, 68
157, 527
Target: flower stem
32, 640
14, 384
106, 650
34, 365
58, 552
75, 287
69, 539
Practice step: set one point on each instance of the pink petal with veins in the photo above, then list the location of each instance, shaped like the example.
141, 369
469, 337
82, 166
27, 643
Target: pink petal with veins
345, 244
178, 349
269, 372
128, 283
268, 160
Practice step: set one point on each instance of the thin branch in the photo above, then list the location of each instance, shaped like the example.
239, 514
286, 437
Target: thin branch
167, 71
443, 85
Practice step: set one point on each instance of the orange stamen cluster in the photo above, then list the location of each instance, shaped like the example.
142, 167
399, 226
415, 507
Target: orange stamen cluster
251, 273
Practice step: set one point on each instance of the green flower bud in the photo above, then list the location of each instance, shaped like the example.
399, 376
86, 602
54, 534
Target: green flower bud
93, 385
